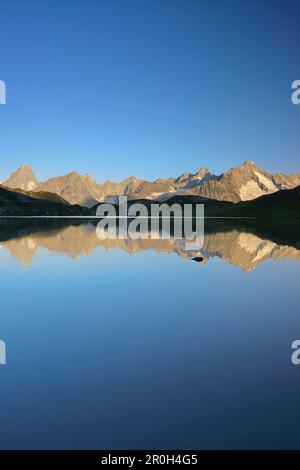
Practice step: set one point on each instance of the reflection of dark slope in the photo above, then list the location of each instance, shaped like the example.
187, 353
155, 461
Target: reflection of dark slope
16, 228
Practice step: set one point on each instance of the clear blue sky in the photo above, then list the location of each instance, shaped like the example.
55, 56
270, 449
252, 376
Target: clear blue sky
148, 87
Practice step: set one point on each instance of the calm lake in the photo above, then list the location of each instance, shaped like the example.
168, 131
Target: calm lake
119, 344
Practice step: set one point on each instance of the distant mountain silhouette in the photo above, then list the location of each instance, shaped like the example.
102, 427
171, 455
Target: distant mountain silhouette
243, 183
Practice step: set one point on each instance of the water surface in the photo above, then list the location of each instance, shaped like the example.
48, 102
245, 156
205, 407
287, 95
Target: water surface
132, 344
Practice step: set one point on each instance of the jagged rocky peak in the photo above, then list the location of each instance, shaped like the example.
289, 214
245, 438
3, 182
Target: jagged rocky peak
73, 174
242, 183
201, 173
73, 187
187, 177
249, 181
22, 178
184, 177
287, 181
132, 180
249, 164
246, 167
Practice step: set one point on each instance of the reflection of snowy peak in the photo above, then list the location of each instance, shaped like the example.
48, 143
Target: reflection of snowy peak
246, 250
237, 247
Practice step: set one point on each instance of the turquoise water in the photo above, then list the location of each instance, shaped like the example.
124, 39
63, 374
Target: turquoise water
111, 349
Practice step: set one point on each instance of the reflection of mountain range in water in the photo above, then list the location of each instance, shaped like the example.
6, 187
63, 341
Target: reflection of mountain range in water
237, 246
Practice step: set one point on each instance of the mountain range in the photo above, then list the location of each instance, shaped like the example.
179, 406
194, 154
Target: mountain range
244, 183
